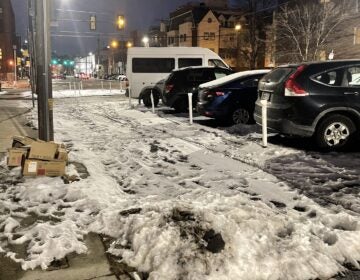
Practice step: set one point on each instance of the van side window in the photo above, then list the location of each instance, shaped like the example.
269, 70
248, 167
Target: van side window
186, 62
153, 65
216, 62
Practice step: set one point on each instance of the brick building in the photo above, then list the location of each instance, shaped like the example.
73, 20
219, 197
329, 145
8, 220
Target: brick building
7, 37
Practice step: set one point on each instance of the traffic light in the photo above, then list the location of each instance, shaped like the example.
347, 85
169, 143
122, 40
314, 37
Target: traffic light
120, 23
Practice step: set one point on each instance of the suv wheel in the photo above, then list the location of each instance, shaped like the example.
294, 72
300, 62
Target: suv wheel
241, 116
147, 99
335, 132
181, 105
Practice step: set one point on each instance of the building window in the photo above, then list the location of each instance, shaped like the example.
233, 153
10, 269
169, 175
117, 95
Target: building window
206, 35
212, 36
209, 20
184, 37
181, 38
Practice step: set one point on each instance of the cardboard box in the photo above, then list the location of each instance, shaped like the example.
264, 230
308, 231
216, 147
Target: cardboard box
42, 150
19, 141
61, 154
43, 168
16, 156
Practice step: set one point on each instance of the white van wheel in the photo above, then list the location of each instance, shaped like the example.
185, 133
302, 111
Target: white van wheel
147, 99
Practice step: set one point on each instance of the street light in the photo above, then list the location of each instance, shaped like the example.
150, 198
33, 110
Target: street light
237, 29
129, 45
113, 45
145, 40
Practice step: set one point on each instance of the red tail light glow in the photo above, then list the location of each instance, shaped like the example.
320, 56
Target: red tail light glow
211, 94
292, 88
168, 88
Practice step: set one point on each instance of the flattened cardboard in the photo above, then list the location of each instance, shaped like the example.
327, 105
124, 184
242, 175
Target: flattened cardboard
44, 168
15, 156
42, 150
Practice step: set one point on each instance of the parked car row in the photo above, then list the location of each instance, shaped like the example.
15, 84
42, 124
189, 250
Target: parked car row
320, 100
117, 77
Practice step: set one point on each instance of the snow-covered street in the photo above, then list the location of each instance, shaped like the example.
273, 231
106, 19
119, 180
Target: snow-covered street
185, 202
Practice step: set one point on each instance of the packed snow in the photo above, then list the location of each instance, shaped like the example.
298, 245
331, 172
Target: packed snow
185, 202
233, 77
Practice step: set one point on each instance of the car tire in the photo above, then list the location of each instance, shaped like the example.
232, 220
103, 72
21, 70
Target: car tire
181, 106
241, 116
147, 99
335, 132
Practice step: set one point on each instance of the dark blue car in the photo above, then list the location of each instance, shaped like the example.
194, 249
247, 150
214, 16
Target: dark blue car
231, 98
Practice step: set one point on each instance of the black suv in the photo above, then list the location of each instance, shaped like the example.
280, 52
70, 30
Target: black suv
185, 80
320, 99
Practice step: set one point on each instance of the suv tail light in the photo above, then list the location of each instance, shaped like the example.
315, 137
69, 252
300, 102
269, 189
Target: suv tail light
168, 88
211, 93
292, 88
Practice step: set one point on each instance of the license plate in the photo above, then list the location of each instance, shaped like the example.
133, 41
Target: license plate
265, 96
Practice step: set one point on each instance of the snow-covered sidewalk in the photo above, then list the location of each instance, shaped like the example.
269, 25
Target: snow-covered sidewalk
180, 201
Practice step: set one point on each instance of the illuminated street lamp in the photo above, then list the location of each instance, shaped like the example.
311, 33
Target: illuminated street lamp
129, 45
145, 40
114, 44
237, 30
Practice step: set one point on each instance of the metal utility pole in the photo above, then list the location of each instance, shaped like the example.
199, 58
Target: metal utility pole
43, 79
31, 38
15, 64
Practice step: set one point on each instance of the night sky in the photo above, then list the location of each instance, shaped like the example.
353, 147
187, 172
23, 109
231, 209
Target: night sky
140, 14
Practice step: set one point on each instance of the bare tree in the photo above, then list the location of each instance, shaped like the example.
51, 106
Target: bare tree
251, 37
303, 28
256, 18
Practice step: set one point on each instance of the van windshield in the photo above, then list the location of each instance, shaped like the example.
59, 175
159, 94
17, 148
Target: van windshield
217, 62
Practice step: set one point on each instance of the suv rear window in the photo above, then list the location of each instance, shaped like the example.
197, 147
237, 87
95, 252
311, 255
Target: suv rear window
200, 75
278, 74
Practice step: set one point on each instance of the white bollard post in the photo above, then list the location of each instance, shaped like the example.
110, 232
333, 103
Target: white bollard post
152, 102
102, 85
264, 122
190, 107
130, 105
121, 87
81, 84
110, 86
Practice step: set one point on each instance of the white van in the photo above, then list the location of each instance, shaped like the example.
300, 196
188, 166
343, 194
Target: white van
148, 67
